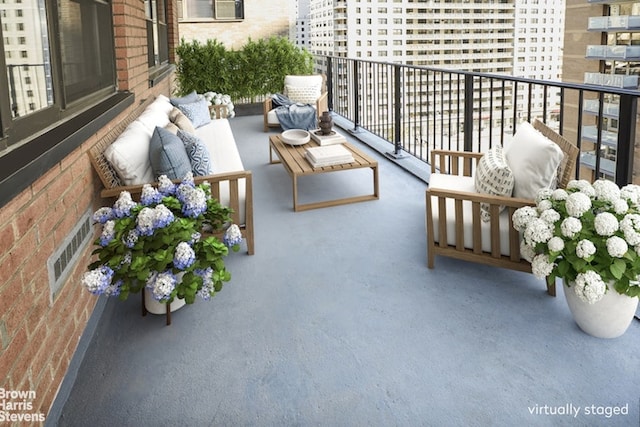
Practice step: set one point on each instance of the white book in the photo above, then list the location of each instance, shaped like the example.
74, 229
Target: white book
330, 162
333, 138
329, 153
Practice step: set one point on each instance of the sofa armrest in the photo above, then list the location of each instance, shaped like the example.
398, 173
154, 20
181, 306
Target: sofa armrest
454, 162
137, 189
219, 111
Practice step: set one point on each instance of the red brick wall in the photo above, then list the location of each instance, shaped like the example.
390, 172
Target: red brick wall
38, 337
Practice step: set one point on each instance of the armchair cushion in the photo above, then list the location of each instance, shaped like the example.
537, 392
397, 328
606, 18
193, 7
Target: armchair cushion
493, 176
464, 184
534, 160
303, 94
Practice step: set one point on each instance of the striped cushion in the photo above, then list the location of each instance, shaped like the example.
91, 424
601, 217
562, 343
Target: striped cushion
197, 152
493, 176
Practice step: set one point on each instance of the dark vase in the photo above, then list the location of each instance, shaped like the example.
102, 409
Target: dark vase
326, 123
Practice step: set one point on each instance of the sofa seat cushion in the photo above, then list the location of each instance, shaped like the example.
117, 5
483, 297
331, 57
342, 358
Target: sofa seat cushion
224, 156
466, 184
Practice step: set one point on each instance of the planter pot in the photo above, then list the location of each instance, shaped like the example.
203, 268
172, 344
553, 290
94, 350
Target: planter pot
155, 307
608, 318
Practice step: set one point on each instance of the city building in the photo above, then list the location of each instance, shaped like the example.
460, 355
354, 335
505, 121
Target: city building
233, 22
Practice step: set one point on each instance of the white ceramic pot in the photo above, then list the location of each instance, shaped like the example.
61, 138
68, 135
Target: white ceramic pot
155, 307
608, 318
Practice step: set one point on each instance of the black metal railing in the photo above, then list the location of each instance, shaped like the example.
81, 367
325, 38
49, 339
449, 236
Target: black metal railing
417, 109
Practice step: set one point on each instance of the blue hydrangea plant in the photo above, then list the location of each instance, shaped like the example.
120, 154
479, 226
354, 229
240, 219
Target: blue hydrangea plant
166, 242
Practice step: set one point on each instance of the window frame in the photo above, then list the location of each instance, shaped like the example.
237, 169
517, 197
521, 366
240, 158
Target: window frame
31, 145
184, 16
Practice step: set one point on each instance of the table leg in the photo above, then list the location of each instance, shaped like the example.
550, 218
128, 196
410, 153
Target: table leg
376, 182
294, 179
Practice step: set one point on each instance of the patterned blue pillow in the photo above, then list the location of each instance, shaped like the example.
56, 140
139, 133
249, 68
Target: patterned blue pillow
168, 155
187, 99
197, 152
197, 112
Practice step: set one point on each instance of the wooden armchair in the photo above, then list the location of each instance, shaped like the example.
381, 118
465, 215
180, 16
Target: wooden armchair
297, 88
453, 210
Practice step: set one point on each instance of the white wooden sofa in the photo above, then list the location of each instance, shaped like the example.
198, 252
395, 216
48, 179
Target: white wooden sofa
230, 183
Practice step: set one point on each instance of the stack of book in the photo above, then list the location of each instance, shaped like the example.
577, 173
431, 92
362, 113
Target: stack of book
328, 155
333, 138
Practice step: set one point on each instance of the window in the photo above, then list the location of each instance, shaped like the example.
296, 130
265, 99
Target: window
60, 63
86, 44
157, 42
213, 9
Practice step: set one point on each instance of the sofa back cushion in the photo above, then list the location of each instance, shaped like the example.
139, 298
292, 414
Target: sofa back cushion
129, 155
168, 155
197, 152
197, 112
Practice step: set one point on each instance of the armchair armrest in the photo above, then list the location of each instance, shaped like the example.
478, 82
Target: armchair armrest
454, 162
322, 103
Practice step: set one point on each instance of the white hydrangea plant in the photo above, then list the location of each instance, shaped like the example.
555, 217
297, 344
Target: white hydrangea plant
588, 234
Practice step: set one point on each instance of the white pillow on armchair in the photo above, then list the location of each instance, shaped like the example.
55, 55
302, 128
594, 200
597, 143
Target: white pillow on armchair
534, 160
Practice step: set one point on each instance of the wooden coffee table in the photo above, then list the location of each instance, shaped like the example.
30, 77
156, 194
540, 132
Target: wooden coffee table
294, 162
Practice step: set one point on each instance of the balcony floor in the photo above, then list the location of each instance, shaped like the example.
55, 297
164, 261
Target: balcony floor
336, 320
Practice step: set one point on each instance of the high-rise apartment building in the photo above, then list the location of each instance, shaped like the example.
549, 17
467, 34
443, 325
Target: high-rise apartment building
603, 49
522, 38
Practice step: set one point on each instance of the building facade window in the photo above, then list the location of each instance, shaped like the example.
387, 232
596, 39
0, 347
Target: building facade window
213, 9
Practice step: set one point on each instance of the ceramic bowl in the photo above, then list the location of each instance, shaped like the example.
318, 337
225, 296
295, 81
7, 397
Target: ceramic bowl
295, 137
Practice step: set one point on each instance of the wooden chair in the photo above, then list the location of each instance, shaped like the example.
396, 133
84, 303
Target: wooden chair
462, 234
320, 104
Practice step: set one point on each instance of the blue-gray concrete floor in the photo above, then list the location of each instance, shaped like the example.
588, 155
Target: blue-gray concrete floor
337, 321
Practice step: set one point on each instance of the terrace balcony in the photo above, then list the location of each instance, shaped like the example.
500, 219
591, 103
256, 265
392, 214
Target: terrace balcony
336, 319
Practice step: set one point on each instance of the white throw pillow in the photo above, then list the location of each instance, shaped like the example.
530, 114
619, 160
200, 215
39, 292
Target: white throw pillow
493, 176
304, 94
129, 155
534, 160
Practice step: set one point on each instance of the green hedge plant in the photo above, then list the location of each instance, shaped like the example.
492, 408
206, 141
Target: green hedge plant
256, 70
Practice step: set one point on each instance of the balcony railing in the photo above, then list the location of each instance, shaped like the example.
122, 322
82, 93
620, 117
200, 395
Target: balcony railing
417, 109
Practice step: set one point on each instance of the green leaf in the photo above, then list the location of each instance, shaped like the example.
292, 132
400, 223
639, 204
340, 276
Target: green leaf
618, 268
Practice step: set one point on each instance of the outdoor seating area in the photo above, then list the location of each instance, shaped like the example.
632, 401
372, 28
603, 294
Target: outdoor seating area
337, 320
464, 223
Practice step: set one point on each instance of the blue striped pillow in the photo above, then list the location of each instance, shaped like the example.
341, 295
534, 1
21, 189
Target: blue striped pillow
197, 152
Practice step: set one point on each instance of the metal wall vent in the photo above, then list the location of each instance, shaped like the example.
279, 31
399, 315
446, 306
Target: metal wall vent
65, 257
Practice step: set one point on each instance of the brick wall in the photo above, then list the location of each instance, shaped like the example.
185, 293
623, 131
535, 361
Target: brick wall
38, 337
